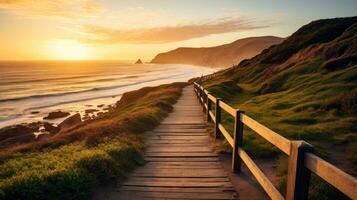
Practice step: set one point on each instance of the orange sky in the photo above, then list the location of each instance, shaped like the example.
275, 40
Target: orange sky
127, 30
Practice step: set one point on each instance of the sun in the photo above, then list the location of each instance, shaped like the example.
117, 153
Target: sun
69, 50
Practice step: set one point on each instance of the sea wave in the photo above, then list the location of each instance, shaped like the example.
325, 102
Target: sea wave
86, 91
71, 101
98, 79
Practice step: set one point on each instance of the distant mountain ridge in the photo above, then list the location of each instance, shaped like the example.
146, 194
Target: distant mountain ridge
225, 55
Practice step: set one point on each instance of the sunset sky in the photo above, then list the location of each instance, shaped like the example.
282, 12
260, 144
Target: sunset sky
129, 29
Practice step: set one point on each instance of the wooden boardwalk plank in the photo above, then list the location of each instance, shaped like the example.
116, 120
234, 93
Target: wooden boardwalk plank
177, 195
180, 164
224, 179
184, 159
178, 184
176, 189
181, 154
178, 149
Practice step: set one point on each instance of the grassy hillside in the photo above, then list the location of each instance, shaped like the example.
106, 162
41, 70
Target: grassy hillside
71, 163
304, 88
225, 55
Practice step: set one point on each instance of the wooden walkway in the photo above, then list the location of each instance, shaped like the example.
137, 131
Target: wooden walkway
180, 165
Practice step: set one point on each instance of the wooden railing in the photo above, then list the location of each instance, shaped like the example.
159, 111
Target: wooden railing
208, 77
302, 160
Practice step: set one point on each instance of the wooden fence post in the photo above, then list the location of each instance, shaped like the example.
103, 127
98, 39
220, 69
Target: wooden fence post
198, 93
204, 100
218, 118
209, 105
238, 141
201, 95
297, 186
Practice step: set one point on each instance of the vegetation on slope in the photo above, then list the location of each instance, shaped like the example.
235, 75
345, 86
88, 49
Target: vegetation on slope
71, 163
289, 89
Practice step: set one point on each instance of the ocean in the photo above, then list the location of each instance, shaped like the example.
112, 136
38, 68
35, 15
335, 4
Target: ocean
30, 90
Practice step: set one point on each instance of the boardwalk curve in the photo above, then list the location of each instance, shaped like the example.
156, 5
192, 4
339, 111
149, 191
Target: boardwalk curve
180, 164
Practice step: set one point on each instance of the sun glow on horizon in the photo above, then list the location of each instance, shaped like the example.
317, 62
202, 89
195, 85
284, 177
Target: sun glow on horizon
69, 50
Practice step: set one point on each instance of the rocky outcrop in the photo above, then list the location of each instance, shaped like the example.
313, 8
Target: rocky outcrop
43, 136
35, 126
70, 121
56, 115
90, 111
15, 135
50, 128
138, 62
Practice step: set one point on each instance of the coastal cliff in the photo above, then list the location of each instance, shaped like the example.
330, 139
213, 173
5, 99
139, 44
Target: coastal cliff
225, 55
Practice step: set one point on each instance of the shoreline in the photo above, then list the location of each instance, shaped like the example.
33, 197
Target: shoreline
37, 114
59, 91
47, 124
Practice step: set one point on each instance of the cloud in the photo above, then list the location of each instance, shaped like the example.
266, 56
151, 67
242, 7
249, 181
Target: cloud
166, 34
56, 8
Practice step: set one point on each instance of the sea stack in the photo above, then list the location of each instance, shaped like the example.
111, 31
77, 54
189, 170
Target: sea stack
138, 62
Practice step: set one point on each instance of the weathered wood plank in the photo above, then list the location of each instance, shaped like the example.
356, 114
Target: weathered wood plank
164, 167
200, 179
180, 154
211, 114
179, 126
259, 175
226, 134
158, 141
228, 108
177, 189
178, 149
203, 163
177, 184
274, 138
212, 98
182, 145
175, 138
179, 171
179, 134
338, 178
179, 130
298, 177
180, 195
184, 159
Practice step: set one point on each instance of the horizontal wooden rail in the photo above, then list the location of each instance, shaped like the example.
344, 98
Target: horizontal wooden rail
228, 109
260, 176
212, 98
207, 77
336, 177
301, 159
274, 138
226, 134
212, 116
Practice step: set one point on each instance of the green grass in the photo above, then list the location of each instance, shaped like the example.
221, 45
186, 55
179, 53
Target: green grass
303, 102
70, 164
306, 104
68, 172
